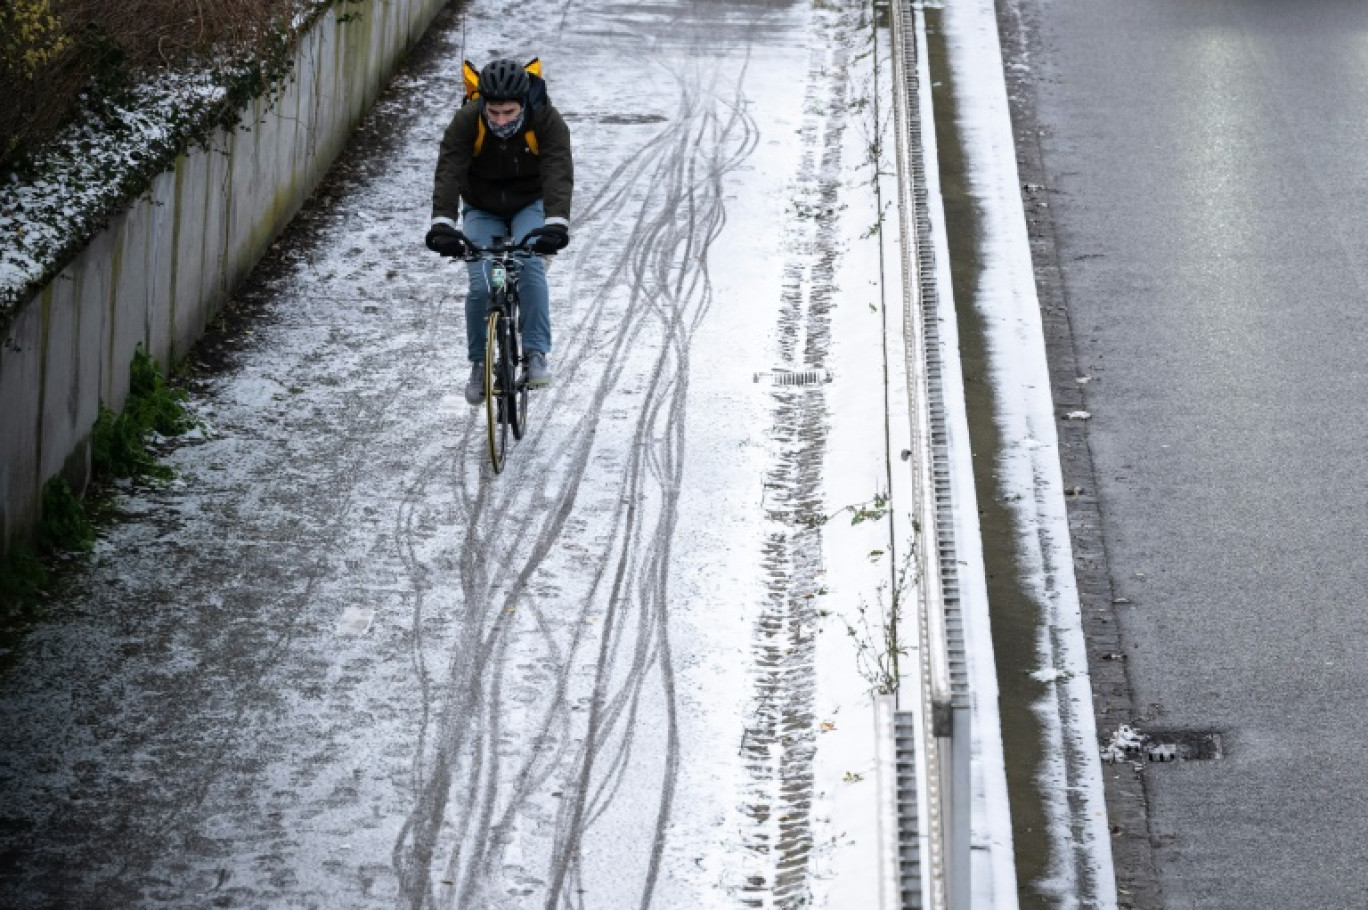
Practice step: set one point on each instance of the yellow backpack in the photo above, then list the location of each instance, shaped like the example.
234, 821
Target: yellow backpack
471, 77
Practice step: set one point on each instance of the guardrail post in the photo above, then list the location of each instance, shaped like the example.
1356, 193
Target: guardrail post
959, 846
886, 779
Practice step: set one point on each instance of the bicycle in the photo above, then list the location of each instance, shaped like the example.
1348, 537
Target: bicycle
505, 379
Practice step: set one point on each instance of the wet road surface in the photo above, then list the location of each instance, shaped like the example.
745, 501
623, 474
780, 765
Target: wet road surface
1204, 176
339, 663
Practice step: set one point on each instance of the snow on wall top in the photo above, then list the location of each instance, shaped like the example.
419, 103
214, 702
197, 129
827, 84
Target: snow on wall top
104, 160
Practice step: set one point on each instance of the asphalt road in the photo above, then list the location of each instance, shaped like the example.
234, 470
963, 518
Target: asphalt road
1205, 174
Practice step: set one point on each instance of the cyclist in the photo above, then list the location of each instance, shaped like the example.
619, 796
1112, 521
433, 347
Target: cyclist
511, 177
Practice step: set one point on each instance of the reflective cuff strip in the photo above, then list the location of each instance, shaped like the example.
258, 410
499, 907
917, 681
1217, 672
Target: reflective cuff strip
561, 221
448, 222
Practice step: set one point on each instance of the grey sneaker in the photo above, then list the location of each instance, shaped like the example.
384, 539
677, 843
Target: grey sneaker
475, 385
538, 373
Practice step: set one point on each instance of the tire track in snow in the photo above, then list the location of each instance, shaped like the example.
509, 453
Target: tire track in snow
781, 740
680, 298
670, 193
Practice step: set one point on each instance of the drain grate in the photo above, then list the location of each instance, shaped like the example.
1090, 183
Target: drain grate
794, 377
1183, 745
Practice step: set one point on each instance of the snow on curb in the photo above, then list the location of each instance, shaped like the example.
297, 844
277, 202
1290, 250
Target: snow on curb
1070, 779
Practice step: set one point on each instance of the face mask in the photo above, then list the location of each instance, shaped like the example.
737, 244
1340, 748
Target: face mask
509, 128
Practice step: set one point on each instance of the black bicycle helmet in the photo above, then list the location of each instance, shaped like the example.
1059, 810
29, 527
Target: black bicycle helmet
504, 80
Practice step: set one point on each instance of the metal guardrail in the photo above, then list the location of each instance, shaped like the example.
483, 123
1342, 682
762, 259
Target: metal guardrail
931, 723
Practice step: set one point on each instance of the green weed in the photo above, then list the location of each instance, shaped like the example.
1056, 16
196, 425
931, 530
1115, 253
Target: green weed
23, 576
65, 525
119, 441
860, 512
871, 511
118, 449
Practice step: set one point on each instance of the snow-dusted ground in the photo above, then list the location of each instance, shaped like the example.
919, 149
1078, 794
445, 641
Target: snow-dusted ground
340, 663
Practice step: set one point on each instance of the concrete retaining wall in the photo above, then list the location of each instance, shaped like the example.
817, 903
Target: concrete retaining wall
161, 269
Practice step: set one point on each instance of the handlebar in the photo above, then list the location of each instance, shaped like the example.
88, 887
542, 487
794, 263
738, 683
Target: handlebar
500, 247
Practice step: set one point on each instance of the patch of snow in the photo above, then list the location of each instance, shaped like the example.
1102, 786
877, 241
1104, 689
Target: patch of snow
1124, 743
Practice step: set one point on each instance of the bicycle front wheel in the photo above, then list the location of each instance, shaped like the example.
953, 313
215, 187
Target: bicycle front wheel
495, 383
515, 401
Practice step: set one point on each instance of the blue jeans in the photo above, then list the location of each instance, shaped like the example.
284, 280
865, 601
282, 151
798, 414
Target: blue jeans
482, 227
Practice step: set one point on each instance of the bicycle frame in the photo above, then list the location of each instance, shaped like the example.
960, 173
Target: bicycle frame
505, 385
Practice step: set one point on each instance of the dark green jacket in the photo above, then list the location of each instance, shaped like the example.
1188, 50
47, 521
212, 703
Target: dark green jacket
506, 176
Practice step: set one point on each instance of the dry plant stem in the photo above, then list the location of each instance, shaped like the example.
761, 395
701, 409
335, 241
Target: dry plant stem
877, 649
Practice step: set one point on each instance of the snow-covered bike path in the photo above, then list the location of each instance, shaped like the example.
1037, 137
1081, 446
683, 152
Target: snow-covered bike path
339, 663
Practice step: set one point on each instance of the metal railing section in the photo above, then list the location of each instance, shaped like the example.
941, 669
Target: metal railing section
932, 726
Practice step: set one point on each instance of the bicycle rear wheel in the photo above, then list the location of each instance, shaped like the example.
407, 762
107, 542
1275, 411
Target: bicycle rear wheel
495, 383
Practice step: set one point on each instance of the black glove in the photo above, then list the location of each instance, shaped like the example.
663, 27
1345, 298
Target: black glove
548, 240
445, 239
